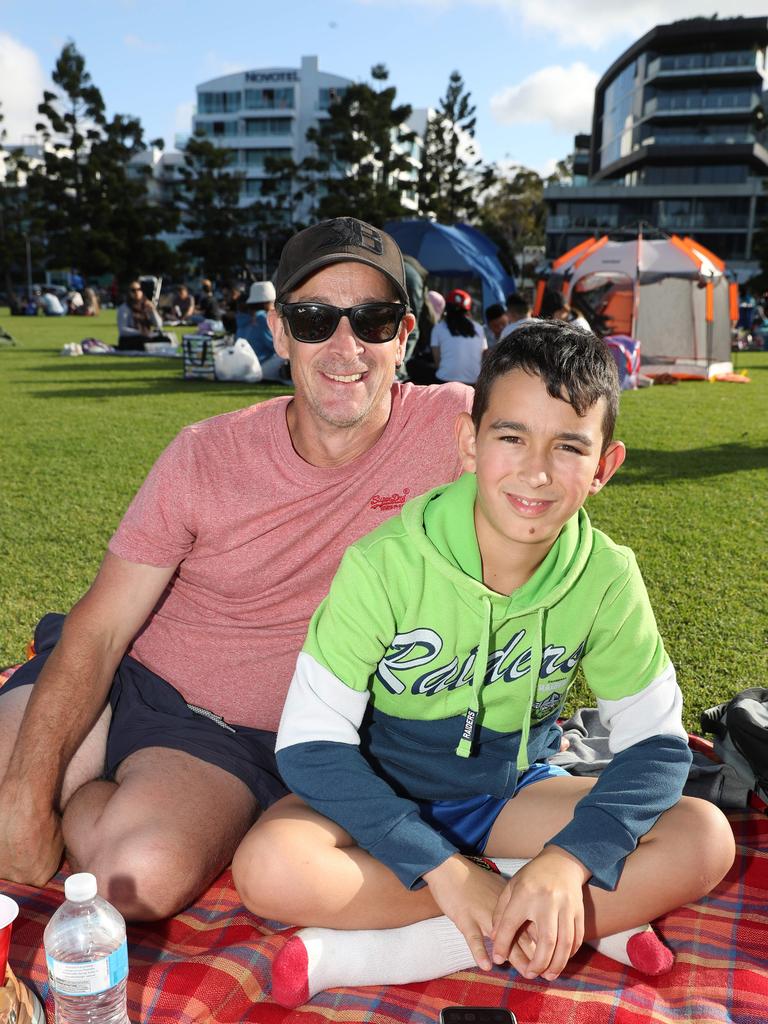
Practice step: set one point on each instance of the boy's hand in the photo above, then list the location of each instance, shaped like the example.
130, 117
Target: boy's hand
467, 894
538, 923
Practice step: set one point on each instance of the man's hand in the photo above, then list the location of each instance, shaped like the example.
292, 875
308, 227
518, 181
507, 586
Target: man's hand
538, 922
467, 894
31, 844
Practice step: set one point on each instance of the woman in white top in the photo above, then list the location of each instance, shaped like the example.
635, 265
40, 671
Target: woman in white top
458, 342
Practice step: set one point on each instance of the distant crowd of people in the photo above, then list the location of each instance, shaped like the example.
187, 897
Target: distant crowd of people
447, 344
452, 343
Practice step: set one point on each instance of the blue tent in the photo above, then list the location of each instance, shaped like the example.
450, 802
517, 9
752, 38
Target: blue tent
456, 250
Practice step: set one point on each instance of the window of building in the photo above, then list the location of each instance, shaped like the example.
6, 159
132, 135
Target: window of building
617, 120
255, 157
702, 61
268, 125
270, 99
700, 135
726, 98
695, 174
219, 102
216, 128
332, 94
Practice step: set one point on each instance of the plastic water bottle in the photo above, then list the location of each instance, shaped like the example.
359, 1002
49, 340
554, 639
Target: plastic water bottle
87, 956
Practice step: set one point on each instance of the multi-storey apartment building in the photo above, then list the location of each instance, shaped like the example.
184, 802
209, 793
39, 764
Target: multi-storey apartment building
678, 141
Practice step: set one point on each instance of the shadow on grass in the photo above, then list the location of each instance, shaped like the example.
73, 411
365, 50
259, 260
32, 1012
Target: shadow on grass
169, 387
644, 465
111, 383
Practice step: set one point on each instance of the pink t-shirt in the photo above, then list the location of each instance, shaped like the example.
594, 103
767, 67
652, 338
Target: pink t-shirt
257, 534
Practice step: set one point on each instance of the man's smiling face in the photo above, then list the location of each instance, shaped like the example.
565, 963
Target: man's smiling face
342, 381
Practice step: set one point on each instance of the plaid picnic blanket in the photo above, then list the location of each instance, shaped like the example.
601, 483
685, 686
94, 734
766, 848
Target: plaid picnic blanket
211, 964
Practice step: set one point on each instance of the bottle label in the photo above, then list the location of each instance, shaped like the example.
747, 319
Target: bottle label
88, 977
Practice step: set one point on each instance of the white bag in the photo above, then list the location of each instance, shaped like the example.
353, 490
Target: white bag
237, 362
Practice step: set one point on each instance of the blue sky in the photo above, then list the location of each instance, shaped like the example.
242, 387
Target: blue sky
531, 65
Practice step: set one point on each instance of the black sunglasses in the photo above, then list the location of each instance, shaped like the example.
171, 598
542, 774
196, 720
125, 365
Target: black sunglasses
313, 322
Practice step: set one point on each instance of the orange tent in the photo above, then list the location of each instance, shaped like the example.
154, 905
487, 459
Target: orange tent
671, 294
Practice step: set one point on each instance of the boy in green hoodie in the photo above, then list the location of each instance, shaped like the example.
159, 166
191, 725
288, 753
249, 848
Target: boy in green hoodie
424, 709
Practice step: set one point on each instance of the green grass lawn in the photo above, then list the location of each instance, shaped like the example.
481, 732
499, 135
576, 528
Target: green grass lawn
79, 434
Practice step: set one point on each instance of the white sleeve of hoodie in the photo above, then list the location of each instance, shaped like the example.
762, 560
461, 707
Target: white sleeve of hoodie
318, 754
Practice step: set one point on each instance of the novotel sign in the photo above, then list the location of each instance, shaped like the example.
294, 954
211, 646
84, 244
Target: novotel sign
272, 76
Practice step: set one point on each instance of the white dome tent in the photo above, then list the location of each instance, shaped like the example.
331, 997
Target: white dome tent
671, 294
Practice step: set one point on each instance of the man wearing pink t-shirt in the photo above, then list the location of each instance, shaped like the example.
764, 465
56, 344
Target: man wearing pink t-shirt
145, 747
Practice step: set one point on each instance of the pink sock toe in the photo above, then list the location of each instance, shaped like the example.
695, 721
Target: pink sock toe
649, 955
290, 979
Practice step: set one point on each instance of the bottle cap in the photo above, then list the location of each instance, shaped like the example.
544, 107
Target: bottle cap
80, 887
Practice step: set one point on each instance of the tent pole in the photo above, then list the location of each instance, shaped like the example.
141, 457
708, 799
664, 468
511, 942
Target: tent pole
636, 298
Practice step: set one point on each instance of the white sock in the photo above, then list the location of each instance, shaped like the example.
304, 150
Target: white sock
315, 959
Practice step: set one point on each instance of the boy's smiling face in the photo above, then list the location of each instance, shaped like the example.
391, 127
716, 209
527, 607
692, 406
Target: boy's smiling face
536, 462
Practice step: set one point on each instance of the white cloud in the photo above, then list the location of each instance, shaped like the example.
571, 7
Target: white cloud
562, 97
548, 167
22, 82
593, 23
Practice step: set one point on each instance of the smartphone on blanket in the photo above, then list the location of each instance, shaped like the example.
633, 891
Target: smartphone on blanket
476, 1015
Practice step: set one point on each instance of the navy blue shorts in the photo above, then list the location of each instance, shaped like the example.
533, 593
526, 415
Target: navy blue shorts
148, 712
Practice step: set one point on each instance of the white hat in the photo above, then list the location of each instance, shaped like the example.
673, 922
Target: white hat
261, 291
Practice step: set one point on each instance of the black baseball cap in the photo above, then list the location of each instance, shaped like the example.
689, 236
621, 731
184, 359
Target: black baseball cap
340, 240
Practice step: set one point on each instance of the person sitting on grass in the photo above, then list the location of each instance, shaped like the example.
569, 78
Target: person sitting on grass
424, 708
183, 307
138, 320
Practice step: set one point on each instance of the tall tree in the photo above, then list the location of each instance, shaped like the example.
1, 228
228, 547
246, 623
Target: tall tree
12, 217
512, 210
361, 161
209, 198
449, 168
89, 205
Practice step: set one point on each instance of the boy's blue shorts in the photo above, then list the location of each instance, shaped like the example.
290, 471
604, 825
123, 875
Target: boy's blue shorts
468, 823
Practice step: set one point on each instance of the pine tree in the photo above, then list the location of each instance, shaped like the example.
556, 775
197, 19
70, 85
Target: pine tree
87, 207
448, 175
12, 219
209, 198
512, 211
361, 160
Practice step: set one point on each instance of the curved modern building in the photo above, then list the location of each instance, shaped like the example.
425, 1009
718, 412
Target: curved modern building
678, 141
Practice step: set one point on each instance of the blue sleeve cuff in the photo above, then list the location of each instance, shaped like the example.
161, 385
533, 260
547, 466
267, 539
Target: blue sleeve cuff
632, 792
599, 842
412, 848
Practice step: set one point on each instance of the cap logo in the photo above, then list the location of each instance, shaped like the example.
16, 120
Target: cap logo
347, 231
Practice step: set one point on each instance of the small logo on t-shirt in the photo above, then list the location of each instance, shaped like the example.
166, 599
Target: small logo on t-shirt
389, 502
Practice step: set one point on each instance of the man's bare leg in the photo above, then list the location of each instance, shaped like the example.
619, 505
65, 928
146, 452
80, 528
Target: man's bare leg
88, 762
158, 835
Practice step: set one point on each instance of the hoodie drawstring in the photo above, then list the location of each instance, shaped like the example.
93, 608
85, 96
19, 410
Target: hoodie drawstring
537, 651
464, 748
479, 668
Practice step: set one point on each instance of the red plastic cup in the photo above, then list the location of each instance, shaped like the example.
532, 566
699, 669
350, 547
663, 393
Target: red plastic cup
9, 910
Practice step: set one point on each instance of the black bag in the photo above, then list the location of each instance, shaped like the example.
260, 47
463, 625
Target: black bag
740, 730
197, 352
